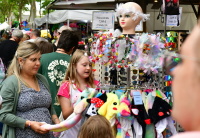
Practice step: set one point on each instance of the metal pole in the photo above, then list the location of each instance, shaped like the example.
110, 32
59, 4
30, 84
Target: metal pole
47, 22
68, 22
165, 25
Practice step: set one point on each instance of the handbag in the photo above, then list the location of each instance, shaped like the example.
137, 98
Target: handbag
2, 71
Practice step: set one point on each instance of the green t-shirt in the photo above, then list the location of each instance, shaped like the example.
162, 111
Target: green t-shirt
53, 67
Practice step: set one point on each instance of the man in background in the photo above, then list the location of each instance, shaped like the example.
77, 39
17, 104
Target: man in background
9, 47
54, 65
64, 27
34, 35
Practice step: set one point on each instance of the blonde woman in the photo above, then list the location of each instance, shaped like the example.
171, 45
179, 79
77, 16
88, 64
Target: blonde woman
26, 98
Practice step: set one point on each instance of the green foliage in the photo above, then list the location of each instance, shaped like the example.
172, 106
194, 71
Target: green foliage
15, 6
45, 3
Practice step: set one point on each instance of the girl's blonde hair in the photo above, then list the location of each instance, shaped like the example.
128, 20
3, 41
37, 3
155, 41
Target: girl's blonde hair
24, 50
96, 127
71, 71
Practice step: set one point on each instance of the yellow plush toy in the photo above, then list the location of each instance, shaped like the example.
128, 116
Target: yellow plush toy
110, 108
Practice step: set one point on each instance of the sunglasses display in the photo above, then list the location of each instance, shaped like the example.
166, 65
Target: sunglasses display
106, 74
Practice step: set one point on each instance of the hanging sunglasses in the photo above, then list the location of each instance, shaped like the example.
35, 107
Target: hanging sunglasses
134, 77
135, 71
141, 72
123, 78
136, 82
106, 73
106, 78
122, 71
138, 78
167, 77
167, 88
167, 83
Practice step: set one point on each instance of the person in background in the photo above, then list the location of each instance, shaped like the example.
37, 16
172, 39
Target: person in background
96, 127
34, 35
54, 65
186, 88
5, 36
78, 77
45, 47
9, 47
27, 102
64, 27
25, 37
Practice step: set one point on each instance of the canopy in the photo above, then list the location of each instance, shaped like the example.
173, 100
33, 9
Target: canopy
4, 26
62, 16
84, 4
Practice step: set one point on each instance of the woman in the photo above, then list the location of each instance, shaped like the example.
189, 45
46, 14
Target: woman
186, 88
26, 98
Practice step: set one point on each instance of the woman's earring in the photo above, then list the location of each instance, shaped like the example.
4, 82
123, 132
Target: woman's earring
20, 66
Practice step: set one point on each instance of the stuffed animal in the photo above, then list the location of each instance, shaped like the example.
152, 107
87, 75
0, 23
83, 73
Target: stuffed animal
124, 119
96, 103
75, 117
110, 108
123, 109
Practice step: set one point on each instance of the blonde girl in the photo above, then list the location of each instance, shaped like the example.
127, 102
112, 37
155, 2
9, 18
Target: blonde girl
78, 77
96, 127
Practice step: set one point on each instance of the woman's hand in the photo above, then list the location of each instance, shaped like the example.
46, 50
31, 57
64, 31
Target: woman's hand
36, 126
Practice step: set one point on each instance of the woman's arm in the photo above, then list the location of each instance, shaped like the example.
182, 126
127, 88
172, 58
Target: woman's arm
66, 106
9, 93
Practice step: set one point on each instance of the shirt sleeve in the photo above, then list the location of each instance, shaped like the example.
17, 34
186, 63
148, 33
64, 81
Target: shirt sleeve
96, 82
64, 90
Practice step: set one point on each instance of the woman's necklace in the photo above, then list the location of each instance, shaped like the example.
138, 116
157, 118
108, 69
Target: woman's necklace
37, 88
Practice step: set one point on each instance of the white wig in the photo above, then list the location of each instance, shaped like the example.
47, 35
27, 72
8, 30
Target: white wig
121, 10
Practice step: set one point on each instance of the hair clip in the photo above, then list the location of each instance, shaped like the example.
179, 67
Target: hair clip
85, 54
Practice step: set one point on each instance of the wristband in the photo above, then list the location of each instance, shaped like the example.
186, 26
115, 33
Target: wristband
29, 125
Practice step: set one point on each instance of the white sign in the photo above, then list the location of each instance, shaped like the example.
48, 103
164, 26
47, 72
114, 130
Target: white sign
174, 20
103, 20
137, 98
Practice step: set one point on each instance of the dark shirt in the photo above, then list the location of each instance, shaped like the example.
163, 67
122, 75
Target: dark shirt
7, 51
54, 47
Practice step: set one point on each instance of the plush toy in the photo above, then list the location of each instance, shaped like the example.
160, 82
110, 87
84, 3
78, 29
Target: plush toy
124, 119
110, 107
75, 117
139, 112
123, 109
160, 110
96, 103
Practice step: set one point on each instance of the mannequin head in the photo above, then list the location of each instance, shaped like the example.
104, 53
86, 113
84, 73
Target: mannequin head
130, 14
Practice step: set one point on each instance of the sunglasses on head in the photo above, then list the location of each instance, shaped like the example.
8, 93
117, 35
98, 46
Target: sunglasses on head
170, 62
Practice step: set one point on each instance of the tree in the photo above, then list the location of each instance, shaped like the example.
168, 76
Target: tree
6, 10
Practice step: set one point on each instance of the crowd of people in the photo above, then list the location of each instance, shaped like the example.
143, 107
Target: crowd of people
43, 82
